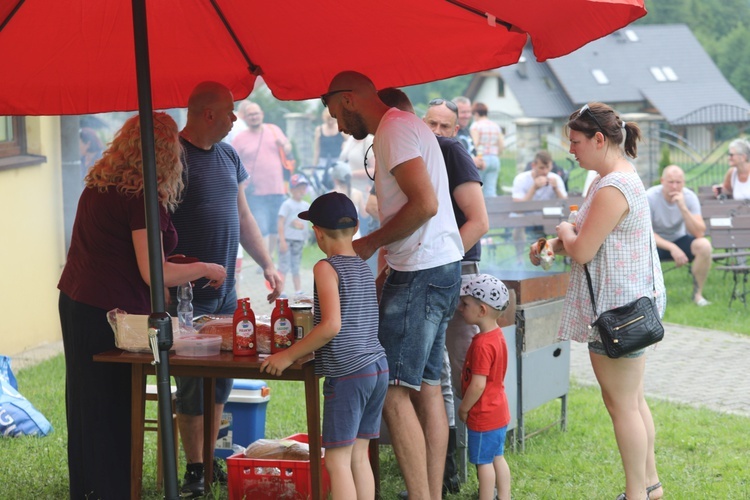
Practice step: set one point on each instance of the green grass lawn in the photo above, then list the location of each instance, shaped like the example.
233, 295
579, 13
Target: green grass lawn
701, 454
715, 316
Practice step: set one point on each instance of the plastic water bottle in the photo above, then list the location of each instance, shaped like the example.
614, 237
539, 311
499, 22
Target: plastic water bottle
185, 305
573, 214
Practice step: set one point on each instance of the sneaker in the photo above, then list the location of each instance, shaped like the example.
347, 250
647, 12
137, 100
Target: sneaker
220, 475
451, 485
193, 486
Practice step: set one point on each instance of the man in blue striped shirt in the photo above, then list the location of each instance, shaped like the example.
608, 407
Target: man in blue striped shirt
211, 221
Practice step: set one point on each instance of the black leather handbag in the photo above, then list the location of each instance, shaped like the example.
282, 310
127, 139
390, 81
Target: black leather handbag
628, 328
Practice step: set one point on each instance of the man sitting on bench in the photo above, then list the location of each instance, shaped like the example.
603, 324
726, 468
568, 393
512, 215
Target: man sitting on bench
679, 228
537, 184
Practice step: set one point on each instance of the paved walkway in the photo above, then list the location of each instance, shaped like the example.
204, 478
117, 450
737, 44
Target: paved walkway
694, 366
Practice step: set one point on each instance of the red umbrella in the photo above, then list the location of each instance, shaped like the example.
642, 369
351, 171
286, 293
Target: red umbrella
76, 56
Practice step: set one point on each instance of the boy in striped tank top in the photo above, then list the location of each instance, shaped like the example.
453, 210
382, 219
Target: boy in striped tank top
347, 350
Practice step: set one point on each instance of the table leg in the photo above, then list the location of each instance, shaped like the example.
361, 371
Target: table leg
209, 393
312, 402
137, 410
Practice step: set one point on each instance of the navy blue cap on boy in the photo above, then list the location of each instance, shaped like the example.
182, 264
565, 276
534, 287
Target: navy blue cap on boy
328, 210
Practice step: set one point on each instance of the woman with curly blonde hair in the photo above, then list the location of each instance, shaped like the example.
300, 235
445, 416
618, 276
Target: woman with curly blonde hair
107, 268
121, 165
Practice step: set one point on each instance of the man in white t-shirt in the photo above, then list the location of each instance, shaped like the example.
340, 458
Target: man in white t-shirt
539, 183
422, 245
679, 228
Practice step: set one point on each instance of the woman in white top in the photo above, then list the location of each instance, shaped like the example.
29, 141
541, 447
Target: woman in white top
353, 153
611, 237
736, 181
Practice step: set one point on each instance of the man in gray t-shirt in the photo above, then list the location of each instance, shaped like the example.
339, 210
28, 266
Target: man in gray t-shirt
679, 228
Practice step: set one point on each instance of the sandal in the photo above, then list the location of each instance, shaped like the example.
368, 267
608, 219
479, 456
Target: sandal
622, 496
652, 488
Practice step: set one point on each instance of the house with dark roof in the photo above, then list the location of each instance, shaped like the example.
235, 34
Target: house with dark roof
660, 70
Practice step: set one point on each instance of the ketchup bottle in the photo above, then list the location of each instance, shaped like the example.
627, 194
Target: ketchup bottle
282, 326
243, 333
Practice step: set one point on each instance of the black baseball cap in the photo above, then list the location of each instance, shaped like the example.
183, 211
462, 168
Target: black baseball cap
328, 210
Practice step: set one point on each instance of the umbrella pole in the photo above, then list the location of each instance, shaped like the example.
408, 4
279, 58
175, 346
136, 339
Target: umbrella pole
160, 326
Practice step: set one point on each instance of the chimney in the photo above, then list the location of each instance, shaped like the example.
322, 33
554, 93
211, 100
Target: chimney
521, 68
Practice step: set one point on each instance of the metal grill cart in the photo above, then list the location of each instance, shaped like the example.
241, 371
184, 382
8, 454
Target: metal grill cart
542, 363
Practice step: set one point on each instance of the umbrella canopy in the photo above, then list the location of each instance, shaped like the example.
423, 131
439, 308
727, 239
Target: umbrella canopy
77, 56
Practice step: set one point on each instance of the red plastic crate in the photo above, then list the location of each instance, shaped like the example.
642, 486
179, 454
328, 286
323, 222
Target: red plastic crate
256, 478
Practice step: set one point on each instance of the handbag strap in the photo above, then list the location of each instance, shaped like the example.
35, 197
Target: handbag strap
257, 150
591, 288
282, 154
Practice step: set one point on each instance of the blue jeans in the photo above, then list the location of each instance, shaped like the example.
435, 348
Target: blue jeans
189, 400
265, 209
415, 307
489, 175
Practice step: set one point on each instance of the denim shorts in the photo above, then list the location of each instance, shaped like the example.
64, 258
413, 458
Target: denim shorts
415, 307
598, 348
189, 400
353, 405
485, 446
265, 210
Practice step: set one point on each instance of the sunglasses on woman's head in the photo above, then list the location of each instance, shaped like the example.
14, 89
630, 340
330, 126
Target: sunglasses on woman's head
591, 113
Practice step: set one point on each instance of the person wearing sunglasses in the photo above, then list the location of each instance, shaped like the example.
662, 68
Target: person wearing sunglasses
611, 236
422, 246
471, 217
489, 142
737, 180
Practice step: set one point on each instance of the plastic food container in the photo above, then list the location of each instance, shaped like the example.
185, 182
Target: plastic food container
198, 345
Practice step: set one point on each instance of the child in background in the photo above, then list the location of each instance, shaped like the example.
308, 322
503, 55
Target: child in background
293, 231
346, 346
484, 407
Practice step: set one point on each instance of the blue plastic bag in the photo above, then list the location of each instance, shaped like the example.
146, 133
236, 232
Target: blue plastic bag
18, 417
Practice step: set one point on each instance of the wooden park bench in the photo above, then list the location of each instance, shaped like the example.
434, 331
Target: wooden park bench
730, 238
508, 219
714, 208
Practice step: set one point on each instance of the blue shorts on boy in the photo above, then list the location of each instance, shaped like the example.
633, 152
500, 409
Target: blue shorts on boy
353, 405
485, 446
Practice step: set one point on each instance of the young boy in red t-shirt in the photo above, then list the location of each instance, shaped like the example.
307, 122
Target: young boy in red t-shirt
484, 407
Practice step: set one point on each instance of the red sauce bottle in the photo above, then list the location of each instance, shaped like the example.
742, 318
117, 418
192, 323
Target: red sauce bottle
243, 333
282, 326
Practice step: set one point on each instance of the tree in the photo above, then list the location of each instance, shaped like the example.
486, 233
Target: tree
273, 109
